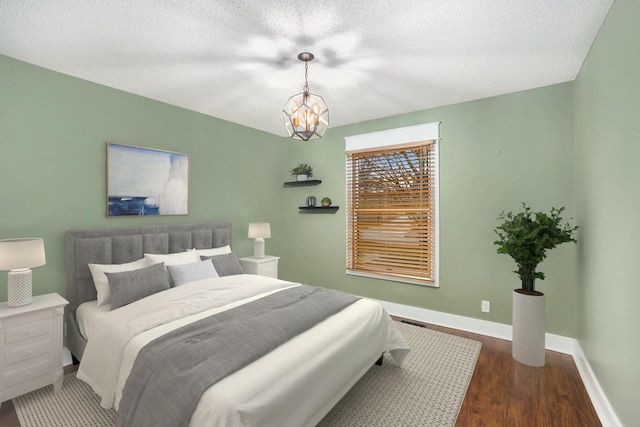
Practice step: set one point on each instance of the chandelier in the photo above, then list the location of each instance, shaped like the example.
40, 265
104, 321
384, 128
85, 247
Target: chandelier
306, 116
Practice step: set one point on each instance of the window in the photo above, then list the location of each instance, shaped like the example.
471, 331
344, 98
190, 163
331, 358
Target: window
392, 204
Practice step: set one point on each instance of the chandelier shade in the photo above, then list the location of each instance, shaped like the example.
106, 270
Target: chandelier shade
306, 115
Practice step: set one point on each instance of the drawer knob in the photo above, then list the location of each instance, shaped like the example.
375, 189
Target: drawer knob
28, 352
29, 373
29, 332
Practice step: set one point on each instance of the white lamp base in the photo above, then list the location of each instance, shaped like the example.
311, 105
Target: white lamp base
258, 248
19, 287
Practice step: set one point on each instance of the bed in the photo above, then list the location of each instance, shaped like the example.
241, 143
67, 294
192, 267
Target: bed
294, 384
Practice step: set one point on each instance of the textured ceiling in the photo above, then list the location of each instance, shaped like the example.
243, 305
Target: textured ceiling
237, 60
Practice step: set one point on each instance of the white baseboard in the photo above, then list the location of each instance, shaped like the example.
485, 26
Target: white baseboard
553, 342
607, 415
497, 330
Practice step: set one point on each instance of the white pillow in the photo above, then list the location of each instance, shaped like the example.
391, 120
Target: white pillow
190, 256
102, 283
185, 273
214, 251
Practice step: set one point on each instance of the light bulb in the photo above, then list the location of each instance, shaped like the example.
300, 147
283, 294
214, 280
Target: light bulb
294, 114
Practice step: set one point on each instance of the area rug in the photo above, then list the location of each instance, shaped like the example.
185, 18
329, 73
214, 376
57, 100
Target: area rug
427, 390
74, 405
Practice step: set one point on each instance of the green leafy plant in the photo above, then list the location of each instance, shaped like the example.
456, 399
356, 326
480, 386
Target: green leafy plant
326, 200
302, 169
526, 236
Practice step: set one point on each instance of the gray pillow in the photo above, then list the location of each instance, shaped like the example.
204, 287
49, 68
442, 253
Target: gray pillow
225, 265
185, 273
129, 286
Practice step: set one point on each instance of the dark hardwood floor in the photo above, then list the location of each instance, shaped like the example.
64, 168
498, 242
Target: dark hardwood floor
502, 392
8, 417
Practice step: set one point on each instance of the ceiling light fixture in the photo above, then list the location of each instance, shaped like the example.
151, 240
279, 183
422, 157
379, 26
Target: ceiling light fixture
306, 116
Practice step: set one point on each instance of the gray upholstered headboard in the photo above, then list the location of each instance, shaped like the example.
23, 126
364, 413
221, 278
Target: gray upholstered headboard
121, 245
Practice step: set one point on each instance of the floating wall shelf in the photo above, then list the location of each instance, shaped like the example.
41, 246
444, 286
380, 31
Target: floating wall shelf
319, 209
302, 183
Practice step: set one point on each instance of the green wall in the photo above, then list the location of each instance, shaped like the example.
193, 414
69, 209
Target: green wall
607, 128
53, 134
495, 153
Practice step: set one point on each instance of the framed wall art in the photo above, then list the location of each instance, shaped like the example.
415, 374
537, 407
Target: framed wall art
144, 181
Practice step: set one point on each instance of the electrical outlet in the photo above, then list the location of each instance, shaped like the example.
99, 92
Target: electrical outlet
486, 306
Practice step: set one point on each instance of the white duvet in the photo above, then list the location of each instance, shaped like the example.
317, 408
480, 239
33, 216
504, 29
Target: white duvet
294, 385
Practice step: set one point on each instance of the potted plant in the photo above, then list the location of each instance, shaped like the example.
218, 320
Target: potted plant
302, 172
526, 237
326, 202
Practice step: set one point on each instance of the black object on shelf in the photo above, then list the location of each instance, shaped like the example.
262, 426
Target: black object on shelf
319, 209
302, 183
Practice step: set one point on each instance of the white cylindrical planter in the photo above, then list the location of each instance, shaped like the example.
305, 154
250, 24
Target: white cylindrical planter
528, 328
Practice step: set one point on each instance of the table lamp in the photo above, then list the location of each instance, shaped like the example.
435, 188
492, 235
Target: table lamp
259, 231
18, 256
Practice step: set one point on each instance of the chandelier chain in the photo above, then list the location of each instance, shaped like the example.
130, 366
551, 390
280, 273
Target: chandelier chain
305, 88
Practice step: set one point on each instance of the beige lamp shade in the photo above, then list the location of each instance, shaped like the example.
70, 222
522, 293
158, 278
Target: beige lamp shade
259, 230
16, 254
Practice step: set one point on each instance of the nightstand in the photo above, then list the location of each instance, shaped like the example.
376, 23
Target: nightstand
31, 346
267, 266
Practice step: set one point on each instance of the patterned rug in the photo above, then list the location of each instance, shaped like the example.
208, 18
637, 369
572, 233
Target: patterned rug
426, 391
74, 405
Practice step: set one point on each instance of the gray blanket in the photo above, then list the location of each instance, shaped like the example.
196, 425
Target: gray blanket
173, 371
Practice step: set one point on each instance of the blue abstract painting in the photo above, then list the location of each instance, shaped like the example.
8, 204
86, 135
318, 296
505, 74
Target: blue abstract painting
144, 181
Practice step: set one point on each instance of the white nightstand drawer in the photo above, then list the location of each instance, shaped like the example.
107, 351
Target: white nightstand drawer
28, 331
28, 374
26, 353
265, 266
268, 270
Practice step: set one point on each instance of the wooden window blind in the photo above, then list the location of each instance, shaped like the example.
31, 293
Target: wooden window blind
391, 212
